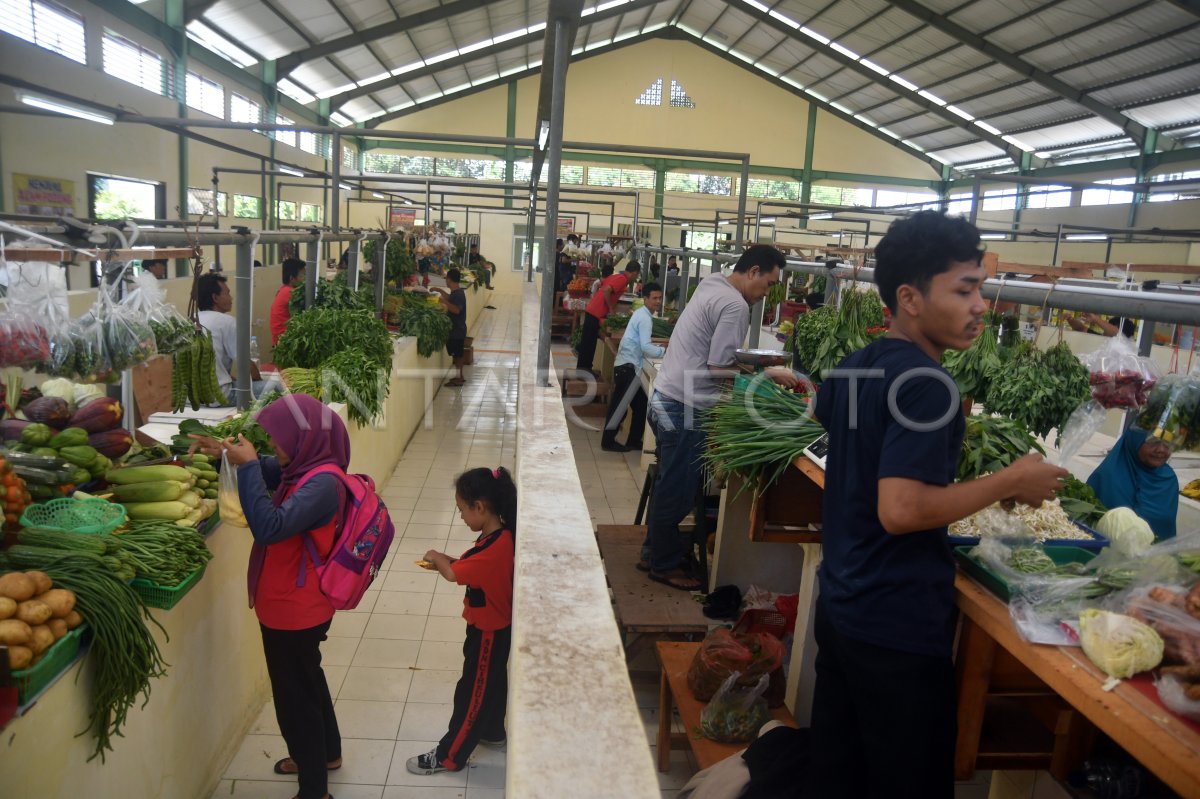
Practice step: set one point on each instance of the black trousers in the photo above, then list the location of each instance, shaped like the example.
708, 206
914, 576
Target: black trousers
883, 721
303, 705
626, 393
480, 698
587, 342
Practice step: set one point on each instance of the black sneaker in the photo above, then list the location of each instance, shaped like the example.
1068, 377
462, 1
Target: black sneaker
426, 764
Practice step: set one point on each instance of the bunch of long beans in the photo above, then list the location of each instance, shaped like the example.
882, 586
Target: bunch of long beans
125, 654
758, 430
165, 553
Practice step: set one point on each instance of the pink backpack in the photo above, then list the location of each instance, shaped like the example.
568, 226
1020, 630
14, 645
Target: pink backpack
364, 534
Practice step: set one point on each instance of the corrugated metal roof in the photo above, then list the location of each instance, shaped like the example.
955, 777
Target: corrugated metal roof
1140, 55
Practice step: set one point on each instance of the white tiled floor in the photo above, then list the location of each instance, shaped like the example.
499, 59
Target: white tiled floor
392, 663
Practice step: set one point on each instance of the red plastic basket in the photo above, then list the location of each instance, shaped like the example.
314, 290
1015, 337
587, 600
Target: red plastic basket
760, 620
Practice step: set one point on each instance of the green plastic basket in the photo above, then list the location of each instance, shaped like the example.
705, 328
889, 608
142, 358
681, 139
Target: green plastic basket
90, 516
32, 680
995, 583
165, 598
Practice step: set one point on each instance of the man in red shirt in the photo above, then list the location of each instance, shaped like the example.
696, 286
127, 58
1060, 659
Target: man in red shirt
293, 272
601, 305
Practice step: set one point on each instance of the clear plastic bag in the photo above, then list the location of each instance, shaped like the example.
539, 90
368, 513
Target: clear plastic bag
735, 714
147, 302
1174, 613
1180, 694
89, 355
128, 339
228, 500
1120, 378
34, 331
1170, 411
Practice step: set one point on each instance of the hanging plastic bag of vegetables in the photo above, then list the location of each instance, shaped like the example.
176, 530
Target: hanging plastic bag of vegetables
1119, 377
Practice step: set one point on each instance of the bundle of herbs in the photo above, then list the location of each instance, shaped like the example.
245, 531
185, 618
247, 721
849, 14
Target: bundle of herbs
1080, 502
974, 367
857, 322
318, 334
398, 261
990, 443
758, 430
335, 294
809, 330
428, 322
1039, 389
353, 378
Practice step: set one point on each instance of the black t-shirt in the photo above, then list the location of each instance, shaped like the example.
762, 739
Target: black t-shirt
895, 591
458, 321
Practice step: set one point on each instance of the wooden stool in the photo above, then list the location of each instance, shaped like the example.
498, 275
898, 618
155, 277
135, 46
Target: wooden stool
676, 657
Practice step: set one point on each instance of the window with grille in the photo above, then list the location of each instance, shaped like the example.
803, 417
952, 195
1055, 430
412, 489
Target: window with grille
1000, 199
888, 197
46, 24
960, 203
841, 195
348, 159
243, 109
285, 136
313, 143
698, 183
772, 189
311, 213
247, 206
131, 62
391, 163
285, 210
1051, 196
652, 95
623, 178
680, 98
200, 202
570, 174
205, 95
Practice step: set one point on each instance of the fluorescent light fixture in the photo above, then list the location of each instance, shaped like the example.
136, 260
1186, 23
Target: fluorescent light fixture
541, 26
769, 220
435, 59
70, 109
931, 97
985, 126
869, 64
610, 4
785, 19
953, 109
685, 224
407, 68
993, 236
810, 33
504, 37
817, 217
374, 79
345, 187
758, 5
846, 51
543, 135
377, 195
470, 48
287, 170
912, 87
407, 201
1087, 237
455, 89
1017, 143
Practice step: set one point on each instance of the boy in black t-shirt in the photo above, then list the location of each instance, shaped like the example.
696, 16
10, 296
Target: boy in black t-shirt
455, 303
884, 718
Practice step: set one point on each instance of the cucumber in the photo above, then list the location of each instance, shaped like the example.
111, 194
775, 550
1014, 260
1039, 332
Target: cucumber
36, 461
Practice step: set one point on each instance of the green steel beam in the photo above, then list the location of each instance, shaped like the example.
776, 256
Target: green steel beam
174, 12
806, 178
660, 187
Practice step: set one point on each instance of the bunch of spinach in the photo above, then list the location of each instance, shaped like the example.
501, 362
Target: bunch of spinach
1039, 389
398, 261
857, 322
973, 368
429, 323
351, 377
990, 443
810, 330
1079, 501
335, 293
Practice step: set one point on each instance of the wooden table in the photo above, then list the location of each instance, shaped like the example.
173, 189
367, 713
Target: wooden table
1156, 738
676, 657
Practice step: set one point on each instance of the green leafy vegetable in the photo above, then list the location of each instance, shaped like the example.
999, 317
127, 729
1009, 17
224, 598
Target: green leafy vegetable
429, 323
317, 335
1039, 389
351, 377
1079, 501
973, 368
990, 443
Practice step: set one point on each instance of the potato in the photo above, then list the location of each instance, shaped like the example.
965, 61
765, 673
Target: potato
73, 620
8, 607
14, 632
33, 612
58, 627
41, 582
60, 600
43, 639
19, 657
18, 586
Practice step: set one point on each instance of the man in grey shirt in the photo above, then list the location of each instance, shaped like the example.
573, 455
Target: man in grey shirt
698, 362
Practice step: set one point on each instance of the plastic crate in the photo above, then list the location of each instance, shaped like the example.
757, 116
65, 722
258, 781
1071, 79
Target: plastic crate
1089, 539
166, 597
31, 681
88, 516
761, 620
993, 582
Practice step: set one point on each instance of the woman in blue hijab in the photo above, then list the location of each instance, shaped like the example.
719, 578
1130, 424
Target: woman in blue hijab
1135, 475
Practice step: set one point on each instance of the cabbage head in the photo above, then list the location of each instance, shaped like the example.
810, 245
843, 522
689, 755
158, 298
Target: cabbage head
1120, 645
1129, 533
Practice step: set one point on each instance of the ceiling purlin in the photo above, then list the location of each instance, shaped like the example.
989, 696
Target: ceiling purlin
512, 44
367, 44
1132, 128
1011, 150
808, 23
296, 29
286, 64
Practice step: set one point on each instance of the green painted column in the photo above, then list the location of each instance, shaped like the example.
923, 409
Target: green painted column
809, 147
1139, 197
510, 130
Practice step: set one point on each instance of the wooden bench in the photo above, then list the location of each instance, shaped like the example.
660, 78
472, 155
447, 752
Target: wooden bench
676, 657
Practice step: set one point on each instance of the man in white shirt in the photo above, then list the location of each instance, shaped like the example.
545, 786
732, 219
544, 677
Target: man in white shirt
215, 302
627, 390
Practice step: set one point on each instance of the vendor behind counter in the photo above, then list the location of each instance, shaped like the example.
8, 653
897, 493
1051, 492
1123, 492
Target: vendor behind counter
1135, 475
